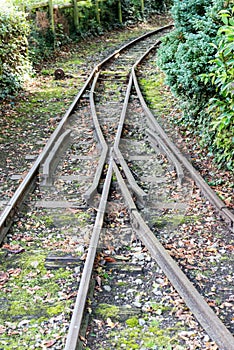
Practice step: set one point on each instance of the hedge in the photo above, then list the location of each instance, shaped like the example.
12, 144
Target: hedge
14, 63
189, 57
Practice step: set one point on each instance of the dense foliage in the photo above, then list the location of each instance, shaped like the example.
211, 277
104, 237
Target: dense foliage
14, 62
33, 36
186, 51
221, 106
187, 58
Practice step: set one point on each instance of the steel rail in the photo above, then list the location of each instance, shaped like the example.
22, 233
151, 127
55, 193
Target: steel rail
28, 183
153, 47
192, 298
12, 207
141, 195
52, 159
75, 325
210, 194
123, 113
157, 141
76, 320
210, 322
93, 188
154, 138
205, 315
131, 43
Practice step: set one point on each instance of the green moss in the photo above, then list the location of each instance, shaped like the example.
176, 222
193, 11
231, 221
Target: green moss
151, 88
107, 310
114, 178
159, 308
36, 262
132, 322
173, 219
121, 283
82, 216
134, 336
51, 92
55, 310
19, 308
224, 258
34, 292
31, 291
105, 275
48, 221
62, 273
33, 338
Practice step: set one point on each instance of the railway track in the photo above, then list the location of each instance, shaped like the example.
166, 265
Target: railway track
129, 173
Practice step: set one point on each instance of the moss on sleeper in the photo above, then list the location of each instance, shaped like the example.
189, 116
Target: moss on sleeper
34, 290
107, 311
149, 334
174, 220
29, 299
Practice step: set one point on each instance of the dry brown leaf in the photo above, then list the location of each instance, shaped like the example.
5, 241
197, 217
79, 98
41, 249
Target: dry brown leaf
99, 281
4, 276
2, 329
50, 343
82, 338
109, 259
14, 272
110, 323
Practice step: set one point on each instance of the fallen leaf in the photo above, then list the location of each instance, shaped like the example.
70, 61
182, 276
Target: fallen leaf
4, 276
2, 329
210, 346
109, 259
99, 281
14, 249
14, 272
122, 257
72, 295
110, 323
73, 210
99, 323
82, 338
50, 343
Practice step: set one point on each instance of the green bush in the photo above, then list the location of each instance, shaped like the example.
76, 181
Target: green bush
14, 64
185, 53
41, 45
137, 10
156, 6
187, 57
221, 106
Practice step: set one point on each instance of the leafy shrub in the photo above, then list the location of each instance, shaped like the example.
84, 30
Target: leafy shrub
134, 10
14, 64
192, 16
156, 6
221, 106
185, 53
188, 56
41, 45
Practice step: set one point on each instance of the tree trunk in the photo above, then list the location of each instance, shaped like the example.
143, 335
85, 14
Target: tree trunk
51, 11
75, 14
142, 8
97, 11
120, 12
